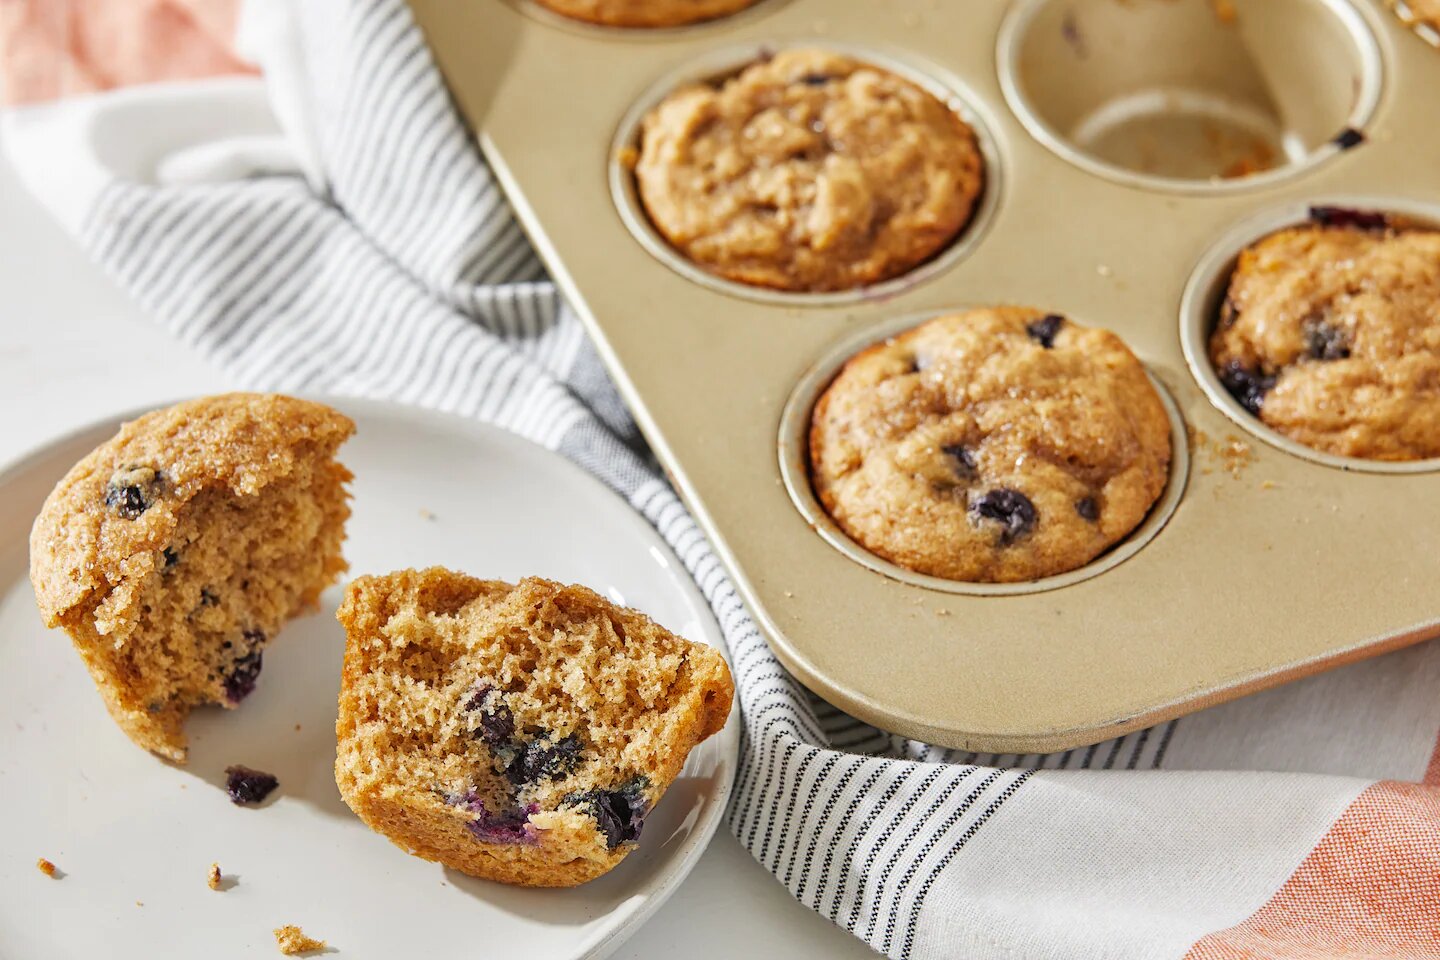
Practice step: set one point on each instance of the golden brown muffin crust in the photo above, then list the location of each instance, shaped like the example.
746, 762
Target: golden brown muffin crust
646, 13
1331, 333
999, 444
808, 171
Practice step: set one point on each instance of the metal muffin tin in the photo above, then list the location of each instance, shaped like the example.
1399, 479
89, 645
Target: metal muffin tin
1250, 571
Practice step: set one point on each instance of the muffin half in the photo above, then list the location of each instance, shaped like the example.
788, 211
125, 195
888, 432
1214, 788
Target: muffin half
995, 445
516, 733
174, 552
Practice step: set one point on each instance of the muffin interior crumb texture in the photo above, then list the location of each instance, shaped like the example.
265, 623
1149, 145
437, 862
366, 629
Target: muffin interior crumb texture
174, 552
1330, 334
1001, 444
292, 941
518, 733
808, 171
645, 13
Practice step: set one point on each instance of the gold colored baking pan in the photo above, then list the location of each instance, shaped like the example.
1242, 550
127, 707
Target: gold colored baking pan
1119, 136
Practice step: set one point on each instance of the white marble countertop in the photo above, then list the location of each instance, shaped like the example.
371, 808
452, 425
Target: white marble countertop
74, 349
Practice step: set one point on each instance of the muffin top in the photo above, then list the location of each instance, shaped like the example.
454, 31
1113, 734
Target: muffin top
645, 13
808, 171
1330, 333
999, 444
116, 509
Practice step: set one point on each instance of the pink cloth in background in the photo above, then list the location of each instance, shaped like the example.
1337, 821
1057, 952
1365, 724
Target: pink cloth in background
59, 48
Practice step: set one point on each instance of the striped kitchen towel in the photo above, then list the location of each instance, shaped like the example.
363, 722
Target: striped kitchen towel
332, 229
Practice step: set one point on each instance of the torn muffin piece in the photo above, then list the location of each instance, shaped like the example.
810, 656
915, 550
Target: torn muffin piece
515, 733
174, 552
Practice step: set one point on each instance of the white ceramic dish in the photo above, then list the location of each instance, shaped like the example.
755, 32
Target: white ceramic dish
134, 836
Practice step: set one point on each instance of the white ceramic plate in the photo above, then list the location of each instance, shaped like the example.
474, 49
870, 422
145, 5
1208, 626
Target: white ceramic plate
135, 836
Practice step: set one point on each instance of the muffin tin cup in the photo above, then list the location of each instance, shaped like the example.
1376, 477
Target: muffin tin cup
1207, 599
722, 63
795, 470
1071, 89
1205, 291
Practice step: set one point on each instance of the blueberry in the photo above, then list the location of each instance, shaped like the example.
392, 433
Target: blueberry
542, 758
817, 79
1010, 508
241, 681
497, 723
619, 814
247, 786
132, 490
1088, 509
170, 556
1246, 385
1325, 341
963, 456
1348, 217
1044, 330
1348, 138
208, 597
508, 826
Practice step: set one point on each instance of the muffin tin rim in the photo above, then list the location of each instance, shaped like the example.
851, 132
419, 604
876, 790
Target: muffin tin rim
1369, 96
728, 59
795, 472
1203, 292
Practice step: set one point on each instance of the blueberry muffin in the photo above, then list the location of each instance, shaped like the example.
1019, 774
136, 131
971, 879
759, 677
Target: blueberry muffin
516, 733
1330, 334
175, 551
808, 171
646, 13
995, 445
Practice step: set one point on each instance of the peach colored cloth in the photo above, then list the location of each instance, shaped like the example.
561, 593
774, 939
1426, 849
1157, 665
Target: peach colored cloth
58, 48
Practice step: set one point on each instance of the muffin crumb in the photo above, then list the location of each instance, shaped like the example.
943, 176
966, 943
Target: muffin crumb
214, 877
292, 941
48, 868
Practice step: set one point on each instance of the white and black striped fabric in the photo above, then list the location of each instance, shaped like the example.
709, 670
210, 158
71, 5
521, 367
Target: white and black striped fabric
408, 279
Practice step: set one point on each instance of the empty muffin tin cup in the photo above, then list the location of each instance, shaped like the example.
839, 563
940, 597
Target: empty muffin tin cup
795, 470
1194, 95
719, 65
1205, 292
